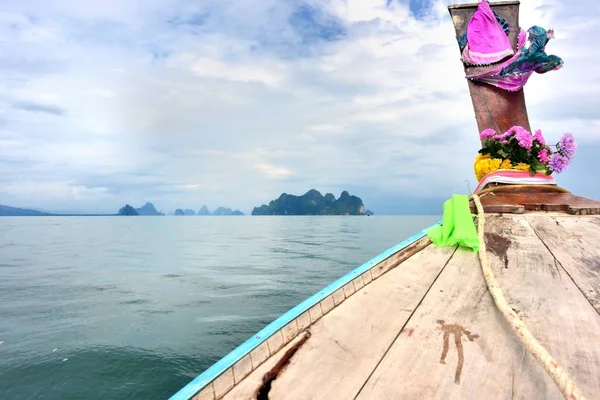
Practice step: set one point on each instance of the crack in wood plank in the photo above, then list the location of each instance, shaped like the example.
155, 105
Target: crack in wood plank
538, 231
556, 266
341, 346
262, 393
512, 385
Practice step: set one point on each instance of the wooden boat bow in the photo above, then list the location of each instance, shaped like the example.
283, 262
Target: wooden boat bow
418, 321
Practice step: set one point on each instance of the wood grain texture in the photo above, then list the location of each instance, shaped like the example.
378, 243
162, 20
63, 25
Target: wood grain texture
347, 343
242, 368
458, 346
289, 331
259, 355
397, 258
207, 393
246, 389
537, 199
223, 383
586, 229
575, 244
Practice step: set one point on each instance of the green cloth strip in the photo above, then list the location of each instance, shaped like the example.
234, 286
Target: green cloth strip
457, 225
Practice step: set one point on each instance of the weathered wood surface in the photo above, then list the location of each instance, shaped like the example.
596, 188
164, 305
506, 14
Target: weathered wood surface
248, 387
349, 342
458, 320
346, 344
269, 348
417, 332
537, 199
586, 229
575, 242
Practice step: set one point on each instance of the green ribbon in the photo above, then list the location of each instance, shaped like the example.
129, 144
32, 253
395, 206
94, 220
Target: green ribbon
457, 225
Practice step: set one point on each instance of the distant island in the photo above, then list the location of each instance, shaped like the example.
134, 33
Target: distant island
224, 211
7, 211
204, 211
310, 203
128, 210
313, 203
148, 209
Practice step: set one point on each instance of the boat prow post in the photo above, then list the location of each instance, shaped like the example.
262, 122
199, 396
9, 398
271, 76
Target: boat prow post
494, 107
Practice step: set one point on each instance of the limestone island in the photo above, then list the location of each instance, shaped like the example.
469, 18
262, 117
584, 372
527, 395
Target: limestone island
313, 203
204, 211
128, 210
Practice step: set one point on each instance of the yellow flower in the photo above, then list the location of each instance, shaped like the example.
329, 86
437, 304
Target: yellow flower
521, 167
495, 164
485, 165
506, 164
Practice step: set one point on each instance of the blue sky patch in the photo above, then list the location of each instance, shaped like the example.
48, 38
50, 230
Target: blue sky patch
418, 8
314, 25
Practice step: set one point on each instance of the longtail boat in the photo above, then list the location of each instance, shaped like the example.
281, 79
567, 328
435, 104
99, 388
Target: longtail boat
517, 318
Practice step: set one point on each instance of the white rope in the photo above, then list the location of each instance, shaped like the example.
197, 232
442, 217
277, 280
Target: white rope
560, 377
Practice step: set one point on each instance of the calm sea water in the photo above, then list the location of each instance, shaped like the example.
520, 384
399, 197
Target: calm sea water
135, 308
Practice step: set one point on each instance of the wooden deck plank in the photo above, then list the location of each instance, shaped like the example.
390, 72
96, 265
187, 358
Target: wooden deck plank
347, 343
585, 228
575, 242
458, 320
563, 320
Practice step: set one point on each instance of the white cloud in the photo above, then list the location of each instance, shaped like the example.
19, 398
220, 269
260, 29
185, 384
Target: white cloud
273, 171
268, 75
328, 128
233, 102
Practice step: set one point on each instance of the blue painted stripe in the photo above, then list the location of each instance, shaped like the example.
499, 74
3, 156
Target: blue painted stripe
188, 391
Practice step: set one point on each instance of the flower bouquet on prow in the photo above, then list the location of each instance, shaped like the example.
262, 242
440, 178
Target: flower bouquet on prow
519, 149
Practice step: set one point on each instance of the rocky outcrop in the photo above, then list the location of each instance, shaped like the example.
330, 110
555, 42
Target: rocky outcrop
148, 209
127, 210
313, 203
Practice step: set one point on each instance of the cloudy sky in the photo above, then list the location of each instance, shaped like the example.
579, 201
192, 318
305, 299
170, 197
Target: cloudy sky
232, 102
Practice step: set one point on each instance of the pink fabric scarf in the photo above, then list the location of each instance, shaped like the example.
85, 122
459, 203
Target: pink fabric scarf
486, 41
514, 80
510, 83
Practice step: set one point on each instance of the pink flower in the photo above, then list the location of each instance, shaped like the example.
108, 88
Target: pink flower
524, 138
514, 130
487, 133
544, 156
539, 137
502, 137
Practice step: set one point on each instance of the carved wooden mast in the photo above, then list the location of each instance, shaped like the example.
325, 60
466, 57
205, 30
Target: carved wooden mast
494, 107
